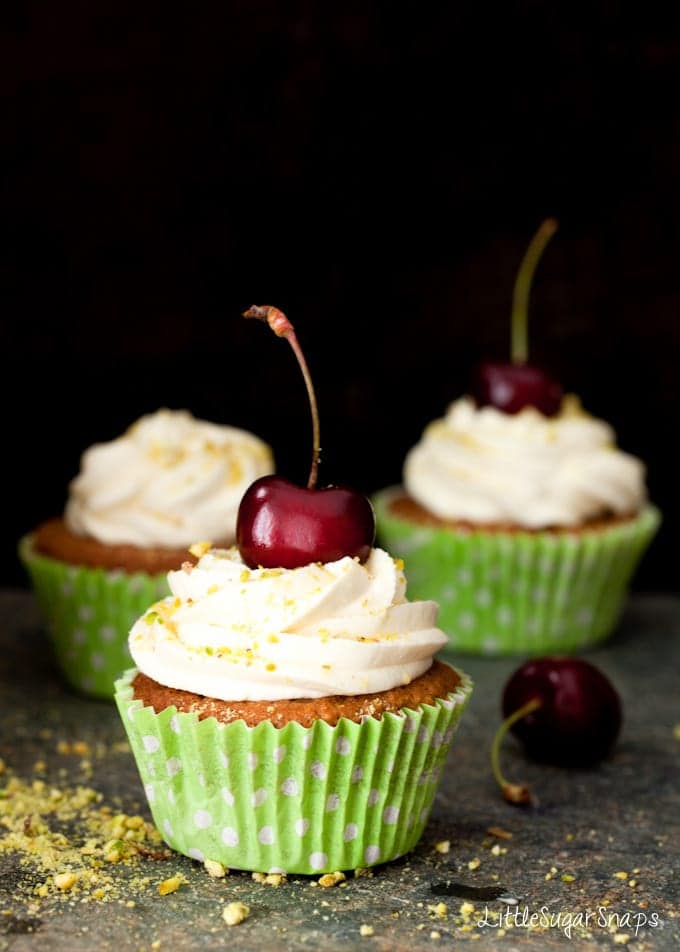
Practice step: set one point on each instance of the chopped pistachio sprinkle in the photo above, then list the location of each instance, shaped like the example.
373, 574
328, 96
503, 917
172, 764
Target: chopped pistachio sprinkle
67, 840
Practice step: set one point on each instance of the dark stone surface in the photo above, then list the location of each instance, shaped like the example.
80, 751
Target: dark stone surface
589, 824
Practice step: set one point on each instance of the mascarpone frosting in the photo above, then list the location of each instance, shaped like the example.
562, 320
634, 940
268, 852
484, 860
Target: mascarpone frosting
169, 480
235, 633
485, 466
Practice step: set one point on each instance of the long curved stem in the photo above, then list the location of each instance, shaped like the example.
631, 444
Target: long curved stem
282, 327
513, 792
520, 297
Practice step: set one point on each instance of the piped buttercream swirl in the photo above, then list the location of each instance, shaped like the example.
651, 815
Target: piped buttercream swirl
169, 480
484, 466
236, 633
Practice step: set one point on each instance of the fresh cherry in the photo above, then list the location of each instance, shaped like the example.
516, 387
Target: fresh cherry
564, 710
512, 386
281, 525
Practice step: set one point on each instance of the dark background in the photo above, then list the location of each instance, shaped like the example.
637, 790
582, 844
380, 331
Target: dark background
375, 171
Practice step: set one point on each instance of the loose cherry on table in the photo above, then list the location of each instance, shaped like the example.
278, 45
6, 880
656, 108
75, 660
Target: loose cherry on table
281, 525
510, 387
564, 710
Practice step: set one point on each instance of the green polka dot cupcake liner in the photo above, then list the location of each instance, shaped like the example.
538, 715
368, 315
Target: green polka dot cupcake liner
291, 799
519, 593
88, 613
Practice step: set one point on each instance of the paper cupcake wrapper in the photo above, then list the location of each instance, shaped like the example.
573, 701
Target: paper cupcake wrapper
291, 799
503, 593
88, 613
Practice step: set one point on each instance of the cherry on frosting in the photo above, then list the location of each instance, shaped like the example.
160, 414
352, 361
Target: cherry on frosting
281, 525
512, 386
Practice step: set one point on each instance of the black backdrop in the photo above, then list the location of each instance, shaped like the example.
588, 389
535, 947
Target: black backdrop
373, 169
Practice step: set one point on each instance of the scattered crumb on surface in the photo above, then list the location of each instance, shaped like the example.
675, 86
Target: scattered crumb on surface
65, 881
331, 879
271, 879
366, 930
170, 885
443, 846
235, 912
215, 869
70, 837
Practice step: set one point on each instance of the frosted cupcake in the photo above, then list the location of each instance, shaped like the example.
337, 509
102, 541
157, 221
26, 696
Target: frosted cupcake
287, 713
135, 507
290, 720
518, 512
526, 528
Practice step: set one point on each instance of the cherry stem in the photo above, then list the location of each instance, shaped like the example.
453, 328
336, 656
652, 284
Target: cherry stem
513, 792
520, 296
282, 327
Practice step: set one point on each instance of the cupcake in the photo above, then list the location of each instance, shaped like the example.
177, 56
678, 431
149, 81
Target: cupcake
135, 507
526, 526
290, 719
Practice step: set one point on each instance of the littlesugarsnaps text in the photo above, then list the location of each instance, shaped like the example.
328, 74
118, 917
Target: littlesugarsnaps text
570, 922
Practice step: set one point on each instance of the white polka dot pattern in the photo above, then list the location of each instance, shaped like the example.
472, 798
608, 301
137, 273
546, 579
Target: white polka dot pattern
372, 854
230, 836
259, 796
332, 802
269, 802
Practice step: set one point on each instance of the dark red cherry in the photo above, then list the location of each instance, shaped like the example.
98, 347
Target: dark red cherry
281, 525
579, 715
512, 387
564, 710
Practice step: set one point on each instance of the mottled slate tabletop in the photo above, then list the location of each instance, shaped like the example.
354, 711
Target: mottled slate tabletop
596, 862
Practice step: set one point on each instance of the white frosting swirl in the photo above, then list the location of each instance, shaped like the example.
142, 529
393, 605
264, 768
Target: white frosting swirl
169, 480
236, 633
485, 466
